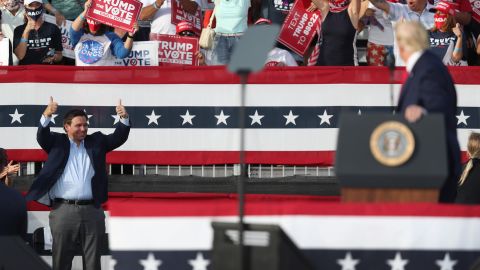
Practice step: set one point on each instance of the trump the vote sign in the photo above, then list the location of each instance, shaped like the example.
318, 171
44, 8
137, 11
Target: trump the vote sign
176, 50
179, 14
116, 13
299, 27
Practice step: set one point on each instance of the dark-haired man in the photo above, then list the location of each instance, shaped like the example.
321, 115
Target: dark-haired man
74, 182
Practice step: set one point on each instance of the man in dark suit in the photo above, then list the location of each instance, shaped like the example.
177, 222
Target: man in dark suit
429, 89
74, 182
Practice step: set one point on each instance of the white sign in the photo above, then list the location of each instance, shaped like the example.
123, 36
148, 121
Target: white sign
143, 53
4, 52
68, 49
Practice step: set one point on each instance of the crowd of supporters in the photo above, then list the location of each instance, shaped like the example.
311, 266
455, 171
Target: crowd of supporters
453, 25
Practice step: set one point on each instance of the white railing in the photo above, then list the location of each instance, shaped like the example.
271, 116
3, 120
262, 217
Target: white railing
222, 170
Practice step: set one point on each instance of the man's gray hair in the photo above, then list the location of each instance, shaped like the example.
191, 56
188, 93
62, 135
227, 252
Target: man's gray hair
411, 36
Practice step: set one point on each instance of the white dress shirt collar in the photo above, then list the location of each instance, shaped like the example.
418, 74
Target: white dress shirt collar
412, 60
72, 142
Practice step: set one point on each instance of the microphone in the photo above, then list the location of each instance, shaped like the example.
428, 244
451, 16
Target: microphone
390, 63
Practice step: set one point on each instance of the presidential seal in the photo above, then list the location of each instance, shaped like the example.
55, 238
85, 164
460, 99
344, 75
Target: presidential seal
392, 143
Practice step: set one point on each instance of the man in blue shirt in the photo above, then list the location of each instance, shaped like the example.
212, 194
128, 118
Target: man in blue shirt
74, 182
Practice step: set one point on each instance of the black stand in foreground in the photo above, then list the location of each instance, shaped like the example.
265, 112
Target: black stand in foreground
17, 254
235, 245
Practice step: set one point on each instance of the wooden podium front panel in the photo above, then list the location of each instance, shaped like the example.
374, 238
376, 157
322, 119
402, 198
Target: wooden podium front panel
389, 195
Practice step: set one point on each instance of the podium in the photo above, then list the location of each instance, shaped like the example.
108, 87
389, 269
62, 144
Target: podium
383, 158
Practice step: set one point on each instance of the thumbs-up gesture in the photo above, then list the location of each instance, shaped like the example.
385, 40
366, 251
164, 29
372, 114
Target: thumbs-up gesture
120, 109
51, 108
457, 30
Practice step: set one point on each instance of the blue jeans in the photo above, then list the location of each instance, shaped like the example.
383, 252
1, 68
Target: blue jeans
223, 49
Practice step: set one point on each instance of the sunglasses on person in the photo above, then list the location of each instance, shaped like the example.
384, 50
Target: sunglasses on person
186, 34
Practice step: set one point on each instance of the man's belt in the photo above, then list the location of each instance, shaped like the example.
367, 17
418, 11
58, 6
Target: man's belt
76, 202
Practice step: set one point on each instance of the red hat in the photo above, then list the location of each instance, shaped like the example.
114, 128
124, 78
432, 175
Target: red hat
444, 7
184, 26
263, 21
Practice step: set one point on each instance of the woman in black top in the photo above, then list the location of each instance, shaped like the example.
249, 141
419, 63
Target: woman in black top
469, 183
37, 41
446, 37
339, 26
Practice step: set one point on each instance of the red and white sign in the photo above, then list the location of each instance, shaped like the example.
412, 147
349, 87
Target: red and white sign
176, 50
179, 14
476, 9
143, 53
68, 49
116, 13
299, 27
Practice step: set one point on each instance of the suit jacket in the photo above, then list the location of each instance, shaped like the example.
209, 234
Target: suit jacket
430, 85
13, 212
57, 145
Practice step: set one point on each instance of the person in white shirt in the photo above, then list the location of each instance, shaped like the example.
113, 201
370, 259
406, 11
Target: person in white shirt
414, 10
380, 34
12, 16
13, 13
277, 57
160, 13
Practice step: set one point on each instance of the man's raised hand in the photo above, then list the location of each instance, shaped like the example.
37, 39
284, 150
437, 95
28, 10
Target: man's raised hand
51, 108
120, 109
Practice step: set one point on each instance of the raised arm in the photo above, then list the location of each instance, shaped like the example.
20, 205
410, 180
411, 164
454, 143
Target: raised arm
120, 135
150, 10
59, 18
354, 12
21, 39
77, 24
457, 53
129, 41
44, 136
381, 4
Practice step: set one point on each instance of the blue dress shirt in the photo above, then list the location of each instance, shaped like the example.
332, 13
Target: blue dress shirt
76, 180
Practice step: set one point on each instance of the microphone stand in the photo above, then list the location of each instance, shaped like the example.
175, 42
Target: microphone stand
243, 62
243, 74
390, 62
